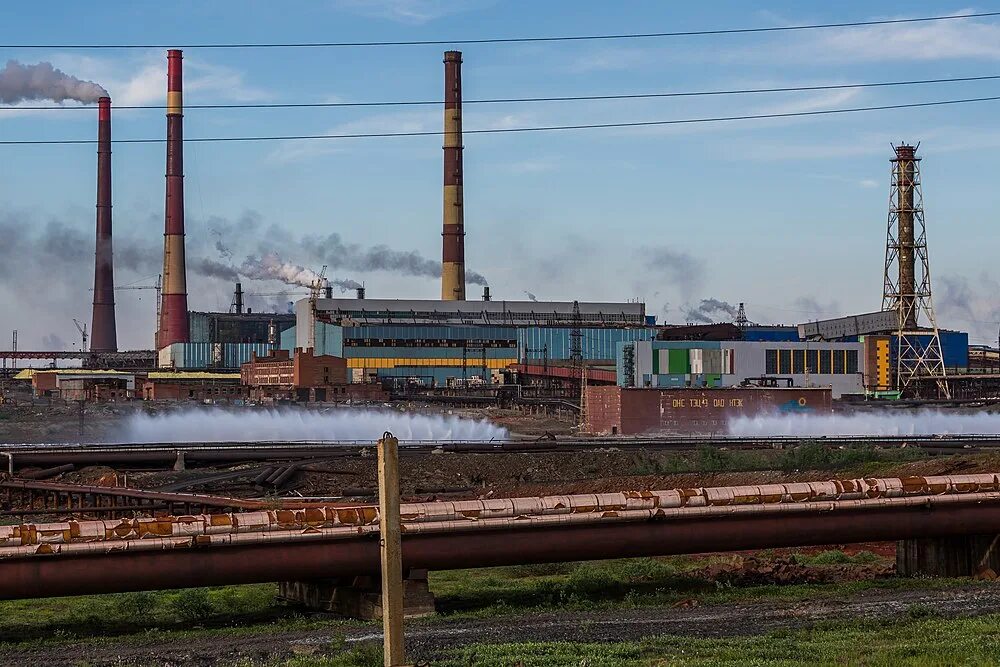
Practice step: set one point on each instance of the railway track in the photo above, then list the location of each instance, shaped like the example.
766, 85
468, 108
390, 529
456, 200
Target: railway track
193, 454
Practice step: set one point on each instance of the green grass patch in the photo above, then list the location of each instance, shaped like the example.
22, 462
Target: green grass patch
636, 582
23, 620
911, 642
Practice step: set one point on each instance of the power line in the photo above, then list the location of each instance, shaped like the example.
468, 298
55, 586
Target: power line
504, 100
505, 130
507, 40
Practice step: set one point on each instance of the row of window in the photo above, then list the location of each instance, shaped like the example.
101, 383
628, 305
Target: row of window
801, 362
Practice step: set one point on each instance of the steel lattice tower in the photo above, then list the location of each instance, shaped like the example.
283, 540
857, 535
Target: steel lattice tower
907, 282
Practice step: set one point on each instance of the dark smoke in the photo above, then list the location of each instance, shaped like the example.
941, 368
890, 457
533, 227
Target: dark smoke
336, 254
44, 82
347, 284
213, 269
708, 310
679, 268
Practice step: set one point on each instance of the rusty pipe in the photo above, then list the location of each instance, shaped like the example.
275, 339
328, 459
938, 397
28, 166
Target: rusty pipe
180, 568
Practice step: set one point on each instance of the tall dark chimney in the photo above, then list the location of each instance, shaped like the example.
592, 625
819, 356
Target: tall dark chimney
103, 335
238, 299
173, 306
453, 234
906, 162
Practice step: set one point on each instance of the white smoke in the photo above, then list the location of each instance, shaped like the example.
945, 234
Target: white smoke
894, 422
256, 425
44, 82
271, 267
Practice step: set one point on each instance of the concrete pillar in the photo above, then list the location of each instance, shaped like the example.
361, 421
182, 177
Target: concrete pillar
359, 597
958, 556
179, 463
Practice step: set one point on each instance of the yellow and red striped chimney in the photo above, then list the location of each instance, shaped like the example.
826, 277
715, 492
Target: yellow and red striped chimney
173, 301
453, 234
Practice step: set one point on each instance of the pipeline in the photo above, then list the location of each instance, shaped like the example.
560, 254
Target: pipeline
78, 558
309, 523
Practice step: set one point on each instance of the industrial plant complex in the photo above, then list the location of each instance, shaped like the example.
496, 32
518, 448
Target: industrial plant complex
484, 347
590, 481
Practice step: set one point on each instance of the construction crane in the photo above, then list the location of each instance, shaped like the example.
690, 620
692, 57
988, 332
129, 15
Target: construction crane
158, 287
82, 328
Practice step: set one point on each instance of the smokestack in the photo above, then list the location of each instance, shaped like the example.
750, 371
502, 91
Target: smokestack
486, 293
238, 298
361, 292
103, 336
173, 309
327, 289
453, 247
906, 162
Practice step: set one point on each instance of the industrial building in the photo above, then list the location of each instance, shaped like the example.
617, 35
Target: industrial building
710, 364
303, 376
634, 411
445, 343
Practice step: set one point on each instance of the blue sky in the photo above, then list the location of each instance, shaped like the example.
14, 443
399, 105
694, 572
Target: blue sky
786, 215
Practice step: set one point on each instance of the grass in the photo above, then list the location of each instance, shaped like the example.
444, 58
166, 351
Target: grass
24, 620
636, 582
810, 456
915, 641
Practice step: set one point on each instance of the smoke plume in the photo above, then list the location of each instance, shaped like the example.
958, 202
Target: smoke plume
44, 82
678, 268
708, 310
213, 269
332, 251
346, 284
271, 267
530, 296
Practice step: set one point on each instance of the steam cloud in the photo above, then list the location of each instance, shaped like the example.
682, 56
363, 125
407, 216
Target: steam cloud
222, 425
271, 267
924, 422
531, 296
44, 82
708, 310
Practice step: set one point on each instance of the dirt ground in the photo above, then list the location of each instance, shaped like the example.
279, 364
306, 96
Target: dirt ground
427, 641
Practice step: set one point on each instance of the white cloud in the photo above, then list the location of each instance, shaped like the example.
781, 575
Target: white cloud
868, 183
409, 11
427, 120
936, 40
143, 79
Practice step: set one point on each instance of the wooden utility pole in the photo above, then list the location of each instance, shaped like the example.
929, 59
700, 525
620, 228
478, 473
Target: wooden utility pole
392, 554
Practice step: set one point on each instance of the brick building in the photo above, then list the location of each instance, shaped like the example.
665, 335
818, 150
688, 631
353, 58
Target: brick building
201, 387
303, 376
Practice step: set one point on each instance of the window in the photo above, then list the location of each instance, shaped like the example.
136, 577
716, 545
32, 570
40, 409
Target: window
798, 361
784, 361
771, 362
852, 361
838, 361
825, 362
812, 361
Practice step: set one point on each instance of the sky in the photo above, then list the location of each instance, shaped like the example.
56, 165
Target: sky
787, 215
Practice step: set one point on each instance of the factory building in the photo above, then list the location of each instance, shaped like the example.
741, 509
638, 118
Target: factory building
635, 411
447, 343
713, 364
